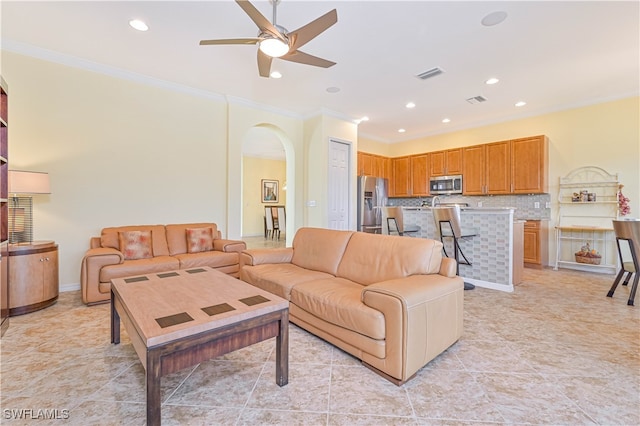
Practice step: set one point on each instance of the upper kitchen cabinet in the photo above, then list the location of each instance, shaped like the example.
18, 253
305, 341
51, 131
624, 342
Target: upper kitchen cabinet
420, 175
498, 168
410, 176
487, 169
530, 165
365, 164
473, 170
400, 185
518, 166
373, 165
443, 163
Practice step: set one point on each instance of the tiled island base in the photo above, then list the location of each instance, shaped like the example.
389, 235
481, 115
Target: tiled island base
495, 252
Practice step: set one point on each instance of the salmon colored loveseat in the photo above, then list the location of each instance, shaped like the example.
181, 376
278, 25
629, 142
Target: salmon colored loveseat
125, 251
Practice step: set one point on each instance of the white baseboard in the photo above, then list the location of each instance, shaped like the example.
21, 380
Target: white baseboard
70, 287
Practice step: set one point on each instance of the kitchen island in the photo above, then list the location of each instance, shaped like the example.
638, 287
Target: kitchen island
496, 251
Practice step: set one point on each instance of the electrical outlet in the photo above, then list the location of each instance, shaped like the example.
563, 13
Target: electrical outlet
547, 205
479, 203
311, 203
536, 205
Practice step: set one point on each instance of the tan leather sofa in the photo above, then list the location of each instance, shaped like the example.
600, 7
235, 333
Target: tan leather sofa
393, 302
105, 259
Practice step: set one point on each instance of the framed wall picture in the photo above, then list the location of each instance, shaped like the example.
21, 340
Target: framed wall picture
269, 191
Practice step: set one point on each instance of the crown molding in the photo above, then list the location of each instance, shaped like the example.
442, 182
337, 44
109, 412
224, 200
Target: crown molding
75, 62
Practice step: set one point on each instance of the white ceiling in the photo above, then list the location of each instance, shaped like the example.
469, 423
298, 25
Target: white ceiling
553, 55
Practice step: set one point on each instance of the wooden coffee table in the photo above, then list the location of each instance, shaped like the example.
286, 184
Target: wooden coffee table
178, 319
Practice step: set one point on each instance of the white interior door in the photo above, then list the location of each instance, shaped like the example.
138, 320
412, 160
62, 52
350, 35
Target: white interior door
338, 185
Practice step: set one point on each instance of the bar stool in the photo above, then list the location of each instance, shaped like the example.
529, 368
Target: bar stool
629, 232
448, 226
395, 223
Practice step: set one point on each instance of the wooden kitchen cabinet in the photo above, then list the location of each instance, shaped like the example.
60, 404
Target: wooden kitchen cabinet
530, 165
448, 162
33, 276
498, 168
535, 243
420, 175
400, 185
365, 164
473, 170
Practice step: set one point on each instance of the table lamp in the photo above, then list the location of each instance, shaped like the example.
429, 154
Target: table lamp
21, 208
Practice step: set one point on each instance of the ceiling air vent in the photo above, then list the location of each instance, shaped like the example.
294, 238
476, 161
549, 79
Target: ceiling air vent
430, 73
477, 99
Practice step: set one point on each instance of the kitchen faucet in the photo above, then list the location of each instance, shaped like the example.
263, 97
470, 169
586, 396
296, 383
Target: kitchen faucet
435, 201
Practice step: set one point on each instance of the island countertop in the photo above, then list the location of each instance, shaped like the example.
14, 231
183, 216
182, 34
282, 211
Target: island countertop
496, 251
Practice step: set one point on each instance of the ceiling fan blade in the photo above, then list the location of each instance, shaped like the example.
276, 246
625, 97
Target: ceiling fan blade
305, 58
306, 33
264, 64
259, 19
253, 40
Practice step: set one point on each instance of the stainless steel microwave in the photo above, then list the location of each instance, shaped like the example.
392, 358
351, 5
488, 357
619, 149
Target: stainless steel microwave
445, 185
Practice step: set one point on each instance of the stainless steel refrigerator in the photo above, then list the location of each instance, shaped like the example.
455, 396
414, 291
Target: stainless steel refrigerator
372, 196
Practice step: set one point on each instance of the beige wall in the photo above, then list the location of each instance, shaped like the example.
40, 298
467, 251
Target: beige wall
318, 131
117, 153
253, 171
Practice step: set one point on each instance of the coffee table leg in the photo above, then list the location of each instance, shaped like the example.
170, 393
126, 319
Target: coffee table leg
154, 414
282, 351
115, 321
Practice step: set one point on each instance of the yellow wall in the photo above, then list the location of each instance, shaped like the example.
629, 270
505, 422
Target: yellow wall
117, 153
253, 171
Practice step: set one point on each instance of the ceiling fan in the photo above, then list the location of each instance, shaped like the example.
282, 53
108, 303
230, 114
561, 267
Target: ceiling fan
274, 41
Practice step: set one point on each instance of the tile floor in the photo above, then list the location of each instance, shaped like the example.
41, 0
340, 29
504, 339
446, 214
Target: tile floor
556, 351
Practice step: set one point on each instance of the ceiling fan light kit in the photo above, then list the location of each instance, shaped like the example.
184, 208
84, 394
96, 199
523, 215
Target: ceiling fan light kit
274, 47
275, 41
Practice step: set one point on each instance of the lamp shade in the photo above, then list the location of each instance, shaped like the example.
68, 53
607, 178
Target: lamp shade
22, 182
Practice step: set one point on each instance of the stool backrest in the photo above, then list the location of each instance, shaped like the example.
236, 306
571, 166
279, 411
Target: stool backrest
450, 214
628, 229
396, 214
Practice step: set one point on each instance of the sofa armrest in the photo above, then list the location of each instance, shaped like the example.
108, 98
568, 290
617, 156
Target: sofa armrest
448, 267
229, 246
92, 263
259, 256
423, 317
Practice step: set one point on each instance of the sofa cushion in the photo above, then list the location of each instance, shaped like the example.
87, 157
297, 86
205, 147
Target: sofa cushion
371, 258
135, 244
279, 278
215, 259
109, 237
338, 301
177, 235
199, 239
319, 249
138, 267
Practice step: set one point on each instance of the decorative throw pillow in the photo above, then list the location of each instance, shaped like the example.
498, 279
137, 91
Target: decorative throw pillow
135, 244
199, 239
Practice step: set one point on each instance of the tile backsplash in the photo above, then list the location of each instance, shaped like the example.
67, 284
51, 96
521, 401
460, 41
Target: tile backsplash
534, 207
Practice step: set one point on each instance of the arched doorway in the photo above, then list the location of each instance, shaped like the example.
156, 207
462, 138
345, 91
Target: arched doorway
267, 159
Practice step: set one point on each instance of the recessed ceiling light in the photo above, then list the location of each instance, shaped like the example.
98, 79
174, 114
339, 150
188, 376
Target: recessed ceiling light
138, 25
275, 74
365, 118
333, 89
401, 130
521, 103
494, 18
445, 120
492, 80
410, 105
